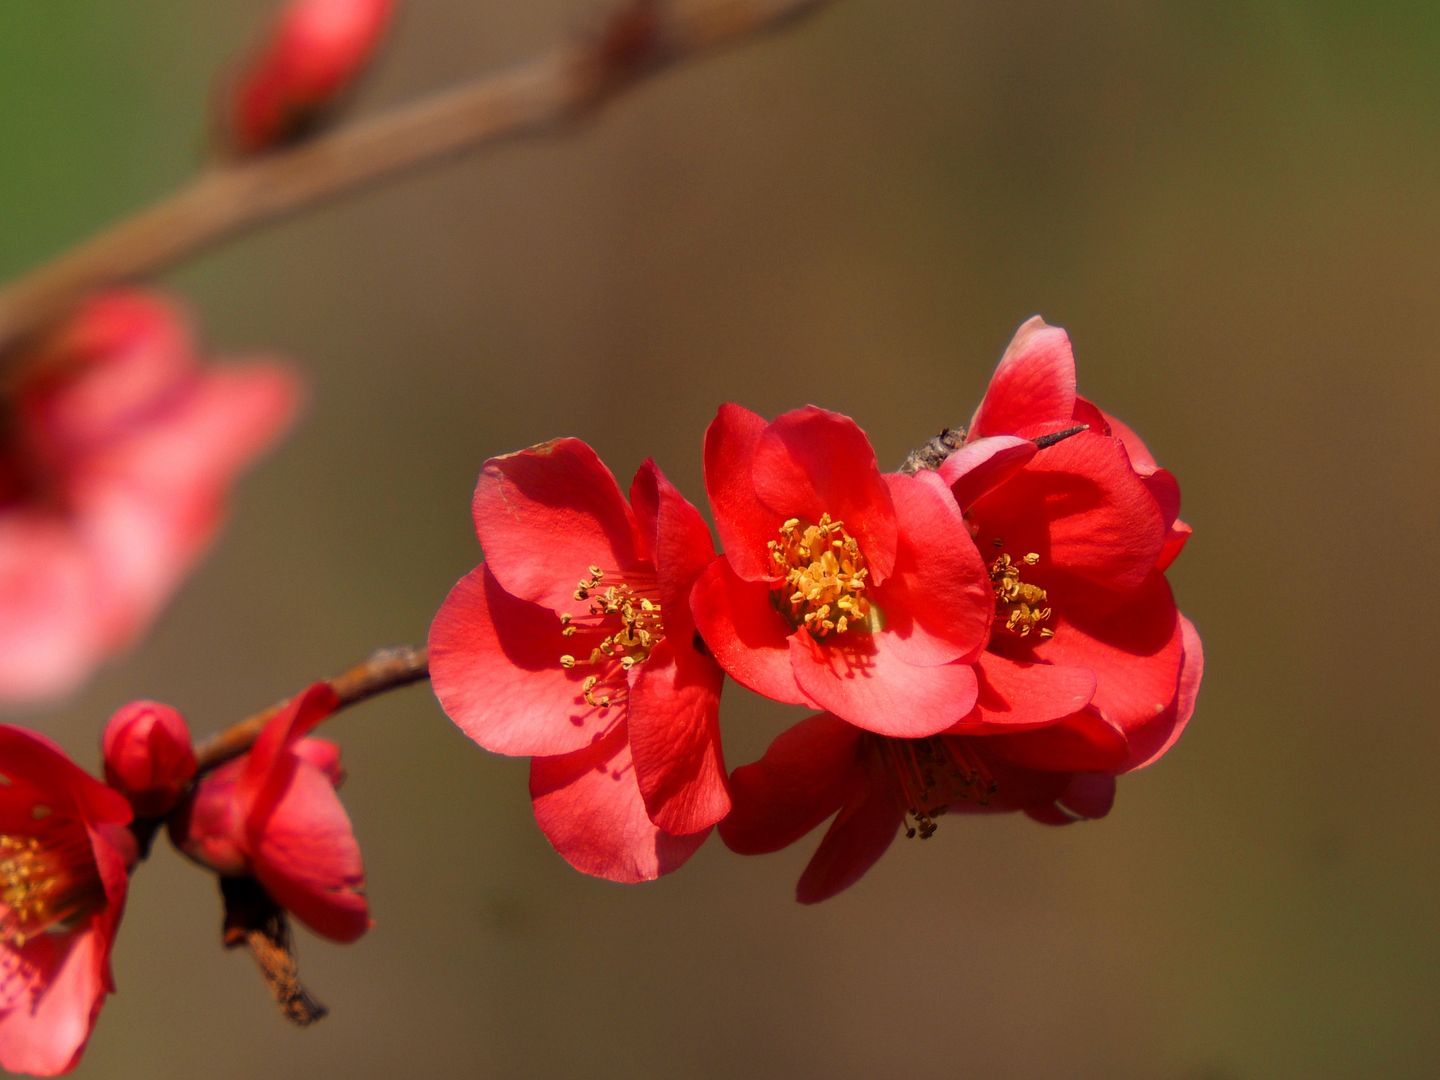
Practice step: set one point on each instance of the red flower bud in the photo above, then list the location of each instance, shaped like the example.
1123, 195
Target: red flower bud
310, 56
148, 756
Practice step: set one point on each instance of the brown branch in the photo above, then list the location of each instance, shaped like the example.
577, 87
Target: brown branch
386, 669
640, 38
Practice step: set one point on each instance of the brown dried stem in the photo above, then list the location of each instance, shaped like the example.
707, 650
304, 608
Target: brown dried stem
386, 669
640, 38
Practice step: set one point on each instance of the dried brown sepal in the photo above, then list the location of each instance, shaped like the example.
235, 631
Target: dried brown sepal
253, 920
933, 454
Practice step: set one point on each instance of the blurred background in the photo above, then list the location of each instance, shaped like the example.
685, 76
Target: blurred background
1232, 208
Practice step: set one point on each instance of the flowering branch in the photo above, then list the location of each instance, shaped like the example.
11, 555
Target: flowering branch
640, 38
385, 669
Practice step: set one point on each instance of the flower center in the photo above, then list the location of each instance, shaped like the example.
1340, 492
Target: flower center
1023, 606
628, 623
45, 884
932, 775
824, 572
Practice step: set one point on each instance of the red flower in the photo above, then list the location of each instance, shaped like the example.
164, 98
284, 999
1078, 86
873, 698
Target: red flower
309, 58
874, 785
64, 861
840, 588
572, 644
1078, 535
114, 464
148, 756
273, 815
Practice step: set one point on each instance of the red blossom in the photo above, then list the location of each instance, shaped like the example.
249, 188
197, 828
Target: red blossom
65, 856
114, 467
148, 756
273, 815
309, 58
1079, 534
573, 644
840, 587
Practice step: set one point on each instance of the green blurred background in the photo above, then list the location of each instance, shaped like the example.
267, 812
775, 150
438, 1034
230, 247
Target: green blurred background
1233, 209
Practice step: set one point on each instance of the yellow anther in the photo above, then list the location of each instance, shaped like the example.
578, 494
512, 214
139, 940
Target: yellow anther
824, 577
1022, 605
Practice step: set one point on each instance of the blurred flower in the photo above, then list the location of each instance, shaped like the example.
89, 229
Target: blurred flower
1078, 535
309, 58
148, 756
115, 458
873, 785
839, 588
573, 644
273, 815
64, 859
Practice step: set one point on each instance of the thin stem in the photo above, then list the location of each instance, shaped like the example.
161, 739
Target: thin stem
385, 669
640, 38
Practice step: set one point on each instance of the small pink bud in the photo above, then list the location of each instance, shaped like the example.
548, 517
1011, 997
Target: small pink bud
309, 57
148, 756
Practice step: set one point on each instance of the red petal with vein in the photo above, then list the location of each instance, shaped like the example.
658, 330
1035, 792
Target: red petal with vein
589, 807
674, 721
678, 539
800, 782
1153, 739
1033, 385
810, 462
495, 668
873, 688
744, 632
865, 827
984, 464
938, 603
1016, 695
546, 515
745, 524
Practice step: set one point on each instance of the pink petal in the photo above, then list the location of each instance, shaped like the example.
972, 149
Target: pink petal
1033, 386
744, 523
1016, 695
589, 807
938, 604
267, 769
679, 542
546, 515
33, 763
48, 1037
1084, 741
495, 668
799, 783
984, 464
869, 685
810, 462
1174, 544
744, 632
305, 854
674, 721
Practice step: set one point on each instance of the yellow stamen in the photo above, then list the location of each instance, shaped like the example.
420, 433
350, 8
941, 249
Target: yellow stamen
824, 574
1023, 606
640, 630
932, 775
44, 884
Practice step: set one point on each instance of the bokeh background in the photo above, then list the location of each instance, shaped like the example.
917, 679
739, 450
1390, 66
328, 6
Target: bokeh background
1233, 209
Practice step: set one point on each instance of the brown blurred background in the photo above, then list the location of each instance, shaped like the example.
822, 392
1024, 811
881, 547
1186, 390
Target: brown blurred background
1233, 209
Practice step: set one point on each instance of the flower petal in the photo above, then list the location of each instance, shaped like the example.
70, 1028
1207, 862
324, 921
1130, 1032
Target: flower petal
590, 809
546, 515
47, 1036
1015, 695
872, 687
979, 466
810, 462
865, 827
674, 721
678, 539
744, 632
800, 782
1084, 741
744, 523
1033, 385
1151, 740
495, 668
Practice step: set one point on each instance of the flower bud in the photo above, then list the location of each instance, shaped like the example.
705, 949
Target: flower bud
148, 756
308, 58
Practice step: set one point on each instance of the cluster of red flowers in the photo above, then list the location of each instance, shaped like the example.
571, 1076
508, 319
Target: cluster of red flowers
993, 633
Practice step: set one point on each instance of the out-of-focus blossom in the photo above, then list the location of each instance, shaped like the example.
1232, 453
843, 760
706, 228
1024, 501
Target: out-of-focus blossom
840, 587
148, 756
573, 644
273, 815
307, 61
65, 855
1078, 535
115, 460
